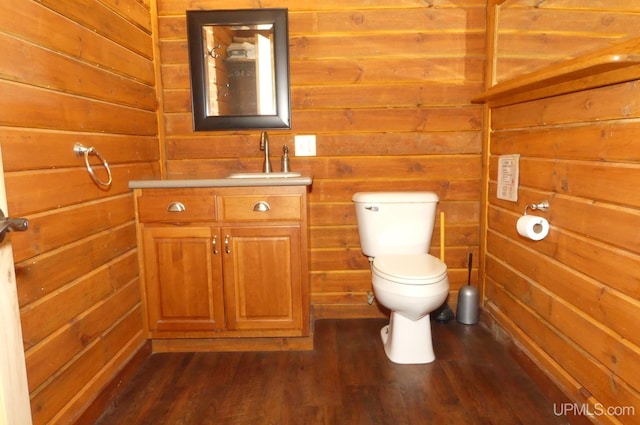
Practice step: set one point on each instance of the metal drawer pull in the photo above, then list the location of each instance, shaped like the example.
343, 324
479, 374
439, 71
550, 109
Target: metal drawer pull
262, 206
80, 150
176, 207
215, 244
226, 244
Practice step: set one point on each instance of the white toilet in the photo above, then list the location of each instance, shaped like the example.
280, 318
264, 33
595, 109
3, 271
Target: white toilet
395, 233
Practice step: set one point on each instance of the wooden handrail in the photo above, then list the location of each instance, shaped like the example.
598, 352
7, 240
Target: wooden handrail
612, 65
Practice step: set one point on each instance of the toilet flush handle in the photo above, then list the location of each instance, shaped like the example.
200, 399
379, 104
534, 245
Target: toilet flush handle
371, 208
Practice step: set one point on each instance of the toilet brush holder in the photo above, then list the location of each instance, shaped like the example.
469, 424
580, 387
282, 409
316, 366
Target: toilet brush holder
467, 310
468, 307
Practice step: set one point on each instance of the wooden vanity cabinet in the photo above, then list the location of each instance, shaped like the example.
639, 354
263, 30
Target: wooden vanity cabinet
224, 262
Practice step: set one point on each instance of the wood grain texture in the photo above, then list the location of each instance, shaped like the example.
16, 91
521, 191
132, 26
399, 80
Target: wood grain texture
76, 72
387, 91
572, 298
41, 26
222, 275
532, 34
496, 384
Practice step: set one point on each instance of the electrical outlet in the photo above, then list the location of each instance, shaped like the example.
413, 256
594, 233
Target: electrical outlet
305, 144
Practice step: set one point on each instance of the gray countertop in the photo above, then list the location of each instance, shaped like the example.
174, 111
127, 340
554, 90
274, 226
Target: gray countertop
223, 182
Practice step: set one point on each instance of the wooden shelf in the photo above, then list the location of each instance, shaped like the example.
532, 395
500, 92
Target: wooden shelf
612, 65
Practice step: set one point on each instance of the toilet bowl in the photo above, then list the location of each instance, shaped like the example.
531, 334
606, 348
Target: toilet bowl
411, 286
395, 230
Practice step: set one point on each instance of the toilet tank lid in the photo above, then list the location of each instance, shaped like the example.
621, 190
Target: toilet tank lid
395, 197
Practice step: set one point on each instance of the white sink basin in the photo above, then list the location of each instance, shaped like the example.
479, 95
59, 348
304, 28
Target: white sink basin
277, 175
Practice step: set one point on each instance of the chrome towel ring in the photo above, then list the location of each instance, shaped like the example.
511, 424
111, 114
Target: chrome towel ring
80, 150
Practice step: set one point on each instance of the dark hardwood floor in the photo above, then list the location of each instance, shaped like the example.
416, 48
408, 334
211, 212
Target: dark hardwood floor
346, 380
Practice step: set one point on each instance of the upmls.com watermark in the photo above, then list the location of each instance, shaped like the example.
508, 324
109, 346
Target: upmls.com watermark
597, 409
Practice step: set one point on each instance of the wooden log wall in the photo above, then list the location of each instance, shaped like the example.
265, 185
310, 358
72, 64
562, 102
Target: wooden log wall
386, 89
572, 300
536, 33
76, 72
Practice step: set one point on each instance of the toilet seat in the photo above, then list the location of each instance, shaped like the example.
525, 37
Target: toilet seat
412, 269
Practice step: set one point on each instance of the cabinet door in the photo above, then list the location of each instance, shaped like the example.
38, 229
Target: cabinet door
183, 275
262, 277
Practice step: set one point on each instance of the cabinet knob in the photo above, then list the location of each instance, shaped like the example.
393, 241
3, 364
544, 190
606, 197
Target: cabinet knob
226, 244
176, 207
262, 206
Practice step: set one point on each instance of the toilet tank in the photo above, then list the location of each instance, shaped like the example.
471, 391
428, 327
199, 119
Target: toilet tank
395, 222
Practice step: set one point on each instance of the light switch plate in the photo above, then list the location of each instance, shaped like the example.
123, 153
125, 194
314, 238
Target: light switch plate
305, 144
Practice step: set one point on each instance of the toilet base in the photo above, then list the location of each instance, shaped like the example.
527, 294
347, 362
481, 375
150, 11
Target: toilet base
408, 341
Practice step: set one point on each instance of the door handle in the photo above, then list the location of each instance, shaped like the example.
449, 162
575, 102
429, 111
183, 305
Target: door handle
11, 225
215, 244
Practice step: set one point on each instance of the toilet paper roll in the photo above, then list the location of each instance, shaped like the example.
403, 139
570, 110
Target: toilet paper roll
533, 227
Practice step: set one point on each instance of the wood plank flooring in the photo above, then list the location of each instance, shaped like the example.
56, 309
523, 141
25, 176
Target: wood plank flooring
346, 380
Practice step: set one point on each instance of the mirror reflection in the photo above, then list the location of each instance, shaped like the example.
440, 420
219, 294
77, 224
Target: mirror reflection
239, 65
240, 75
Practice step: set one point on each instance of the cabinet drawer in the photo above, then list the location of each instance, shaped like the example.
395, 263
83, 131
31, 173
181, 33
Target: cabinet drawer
261, 207
177, 207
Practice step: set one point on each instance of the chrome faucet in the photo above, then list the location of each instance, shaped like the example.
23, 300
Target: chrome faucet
264, 146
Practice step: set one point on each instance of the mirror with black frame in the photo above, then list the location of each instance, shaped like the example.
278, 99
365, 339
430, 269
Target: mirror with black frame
239, 65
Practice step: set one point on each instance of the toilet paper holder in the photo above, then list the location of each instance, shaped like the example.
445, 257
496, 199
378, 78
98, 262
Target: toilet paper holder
542, 206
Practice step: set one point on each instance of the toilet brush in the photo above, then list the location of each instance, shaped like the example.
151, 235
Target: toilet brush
467, 310
444, 313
